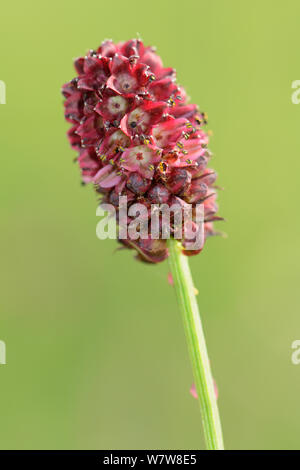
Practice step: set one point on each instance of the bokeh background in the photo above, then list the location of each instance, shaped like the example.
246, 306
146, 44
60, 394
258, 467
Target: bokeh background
96, 354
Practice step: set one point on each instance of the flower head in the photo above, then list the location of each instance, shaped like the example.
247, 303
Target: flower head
137, 136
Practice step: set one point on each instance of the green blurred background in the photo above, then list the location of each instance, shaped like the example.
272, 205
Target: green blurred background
96, 354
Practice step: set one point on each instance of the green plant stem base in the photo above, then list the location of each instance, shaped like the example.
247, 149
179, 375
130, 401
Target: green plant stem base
185, 291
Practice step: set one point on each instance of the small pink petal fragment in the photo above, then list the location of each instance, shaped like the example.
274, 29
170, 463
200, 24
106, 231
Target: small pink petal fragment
170, 279
216, 390
193, 391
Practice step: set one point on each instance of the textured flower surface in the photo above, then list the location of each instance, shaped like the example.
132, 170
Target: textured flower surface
137, 136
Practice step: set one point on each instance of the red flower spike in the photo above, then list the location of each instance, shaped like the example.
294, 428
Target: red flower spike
163, 89
137, 136
107, 49
143, 118
90, 130
112, 106
168, 133
179, 181
141, 159
93, 72
158, 194
73, 107
137, 184
88, 163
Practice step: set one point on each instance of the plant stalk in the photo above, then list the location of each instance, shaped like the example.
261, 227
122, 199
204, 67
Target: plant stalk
185, 292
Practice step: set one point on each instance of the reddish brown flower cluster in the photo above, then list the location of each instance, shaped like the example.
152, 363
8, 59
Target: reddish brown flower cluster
137, 136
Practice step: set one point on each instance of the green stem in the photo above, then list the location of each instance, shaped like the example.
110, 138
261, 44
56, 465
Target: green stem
185, 291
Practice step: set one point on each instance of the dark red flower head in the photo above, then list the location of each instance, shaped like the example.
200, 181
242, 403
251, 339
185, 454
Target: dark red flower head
137, 136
